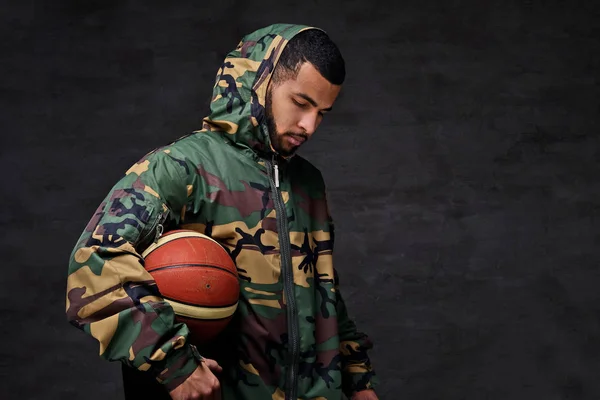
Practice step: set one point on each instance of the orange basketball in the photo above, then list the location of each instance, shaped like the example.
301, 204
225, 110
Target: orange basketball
198, 278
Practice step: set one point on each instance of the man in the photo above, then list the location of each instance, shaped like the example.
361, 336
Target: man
239, 181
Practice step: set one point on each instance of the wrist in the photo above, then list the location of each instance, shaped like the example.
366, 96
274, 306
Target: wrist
179, 367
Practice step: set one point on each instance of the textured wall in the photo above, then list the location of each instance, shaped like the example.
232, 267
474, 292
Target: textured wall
462, 160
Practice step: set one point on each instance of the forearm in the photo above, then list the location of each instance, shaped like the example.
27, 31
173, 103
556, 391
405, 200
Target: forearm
113, 299
357, 371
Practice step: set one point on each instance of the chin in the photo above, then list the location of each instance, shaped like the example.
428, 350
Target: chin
285, 152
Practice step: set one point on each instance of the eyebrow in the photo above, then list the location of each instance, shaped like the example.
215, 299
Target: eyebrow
311, 101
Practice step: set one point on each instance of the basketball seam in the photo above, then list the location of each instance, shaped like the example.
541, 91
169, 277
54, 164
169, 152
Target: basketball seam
194, 265
200, 305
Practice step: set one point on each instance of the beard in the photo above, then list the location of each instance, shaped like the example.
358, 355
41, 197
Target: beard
278, 139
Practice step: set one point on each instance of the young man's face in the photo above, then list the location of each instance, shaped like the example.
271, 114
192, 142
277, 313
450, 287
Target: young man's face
295, 108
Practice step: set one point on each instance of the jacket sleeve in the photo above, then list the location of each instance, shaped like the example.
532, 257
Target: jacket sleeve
110, 296
357, 372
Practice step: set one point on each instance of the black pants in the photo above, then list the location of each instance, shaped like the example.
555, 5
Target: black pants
139, 385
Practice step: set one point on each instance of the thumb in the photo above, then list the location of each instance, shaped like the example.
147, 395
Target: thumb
213, 365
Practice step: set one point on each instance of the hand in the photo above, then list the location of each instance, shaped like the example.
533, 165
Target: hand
201, 384
368, 394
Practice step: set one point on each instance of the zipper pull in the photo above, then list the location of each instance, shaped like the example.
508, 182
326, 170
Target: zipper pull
275, 172
159, 232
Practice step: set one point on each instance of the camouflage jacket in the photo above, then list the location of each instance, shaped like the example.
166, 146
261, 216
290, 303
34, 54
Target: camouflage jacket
294, 338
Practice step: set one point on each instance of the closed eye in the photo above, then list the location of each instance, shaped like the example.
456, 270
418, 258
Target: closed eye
301, 105
310, 101
304, 105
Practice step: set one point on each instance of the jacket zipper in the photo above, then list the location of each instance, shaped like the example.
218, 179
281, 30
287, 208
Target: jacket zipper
288, 282
155, 232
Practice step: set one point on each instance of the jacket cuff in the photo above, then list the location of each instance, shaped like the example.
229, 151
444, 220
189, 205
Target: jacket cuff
179, 366
358, 377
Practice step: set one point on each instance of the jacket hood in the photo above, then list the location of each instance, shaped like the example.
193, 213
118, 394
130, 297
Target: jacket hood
237, 108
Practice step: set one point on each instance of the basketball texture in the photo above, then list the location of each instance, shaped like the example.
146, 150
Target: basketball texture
198, 278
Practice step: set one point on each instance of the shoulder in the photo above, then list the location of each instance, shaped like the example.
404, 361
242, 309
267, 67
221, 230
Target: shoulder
196, 143
192, 149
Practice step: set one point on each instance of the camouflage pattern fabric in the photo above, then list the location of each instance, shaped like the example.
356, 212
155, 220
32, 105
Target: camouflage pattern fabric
294, 339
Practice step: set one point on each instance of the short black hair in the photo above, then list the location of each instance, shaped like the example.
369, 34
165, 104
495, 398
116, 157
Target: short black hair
313, 46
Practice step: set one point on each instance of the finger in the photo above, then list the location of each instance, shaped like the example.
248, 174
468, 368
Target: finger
211, 396
213, 365
217, 390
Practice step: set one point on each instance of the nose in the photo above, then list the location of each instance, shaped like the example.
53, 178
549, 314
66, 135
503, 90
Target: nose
309, 123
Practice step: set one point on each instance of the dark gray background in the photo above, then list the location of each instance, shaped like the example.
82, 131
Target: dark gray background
462, 161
